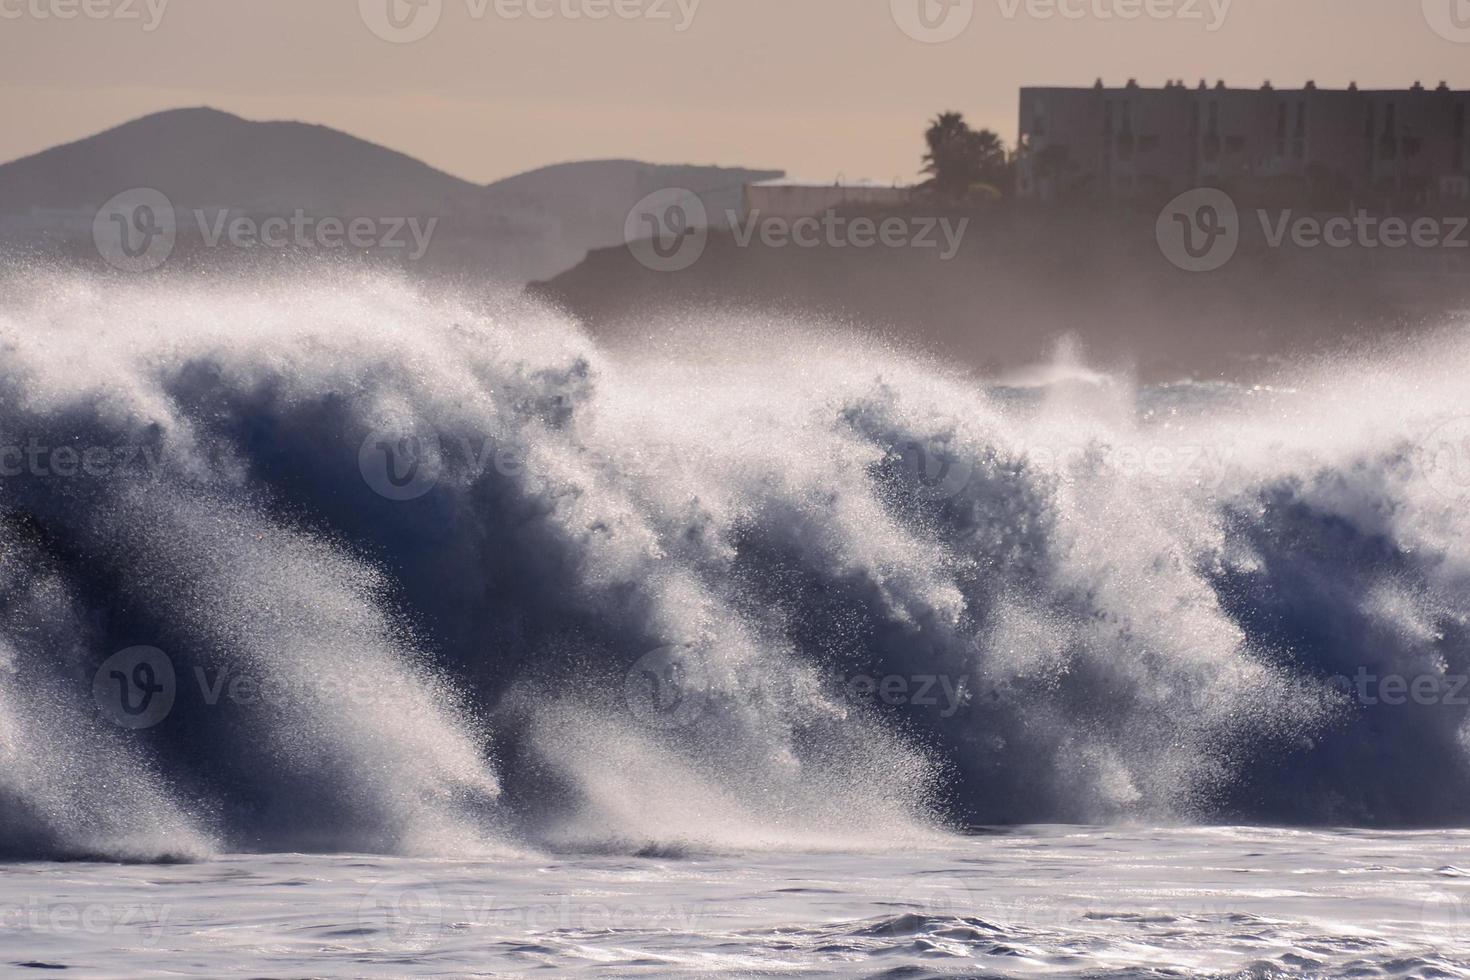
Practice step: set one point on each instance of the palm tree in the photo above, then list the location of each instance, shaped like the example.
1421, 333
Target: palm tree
962, 162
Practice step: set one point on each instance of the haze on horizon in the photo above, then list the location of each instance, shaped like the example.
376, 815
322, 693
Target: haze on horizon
766, 83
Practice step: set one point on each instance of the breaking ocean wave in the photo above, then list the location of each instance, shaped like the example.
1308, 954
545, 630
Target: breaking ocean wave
351, 564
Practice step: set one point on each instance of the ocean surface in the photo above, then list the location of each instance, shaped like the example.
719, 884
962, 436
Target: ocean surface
727, 638
1030, 902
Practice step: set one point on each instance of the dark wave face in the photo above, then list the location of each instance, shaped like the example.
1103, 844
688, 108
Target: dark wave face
349, 565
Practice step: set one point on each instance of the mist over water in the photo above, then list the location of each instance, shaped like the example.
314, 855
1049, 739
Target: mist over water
490, 588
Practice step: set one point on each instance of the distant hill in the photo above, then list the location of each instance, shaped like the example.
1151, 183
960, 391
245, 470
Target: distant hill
207, 158
591, 199
527, 227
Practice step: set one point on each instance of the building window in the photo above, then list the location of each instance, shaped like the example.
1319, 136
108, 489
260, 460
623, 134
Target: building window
1388, 147
1459, 165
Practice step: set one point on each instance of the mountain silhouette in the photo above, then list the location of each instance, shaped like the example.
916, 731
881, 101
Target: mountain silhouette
206, 158
525, 227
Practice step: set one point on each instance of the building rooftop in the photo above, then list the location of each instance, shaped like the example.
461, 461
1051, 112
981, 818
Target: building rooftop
1220, 85
863, 182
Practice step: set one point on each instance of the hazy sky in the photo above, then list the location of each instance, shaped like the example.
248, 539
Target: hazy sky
816, 87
